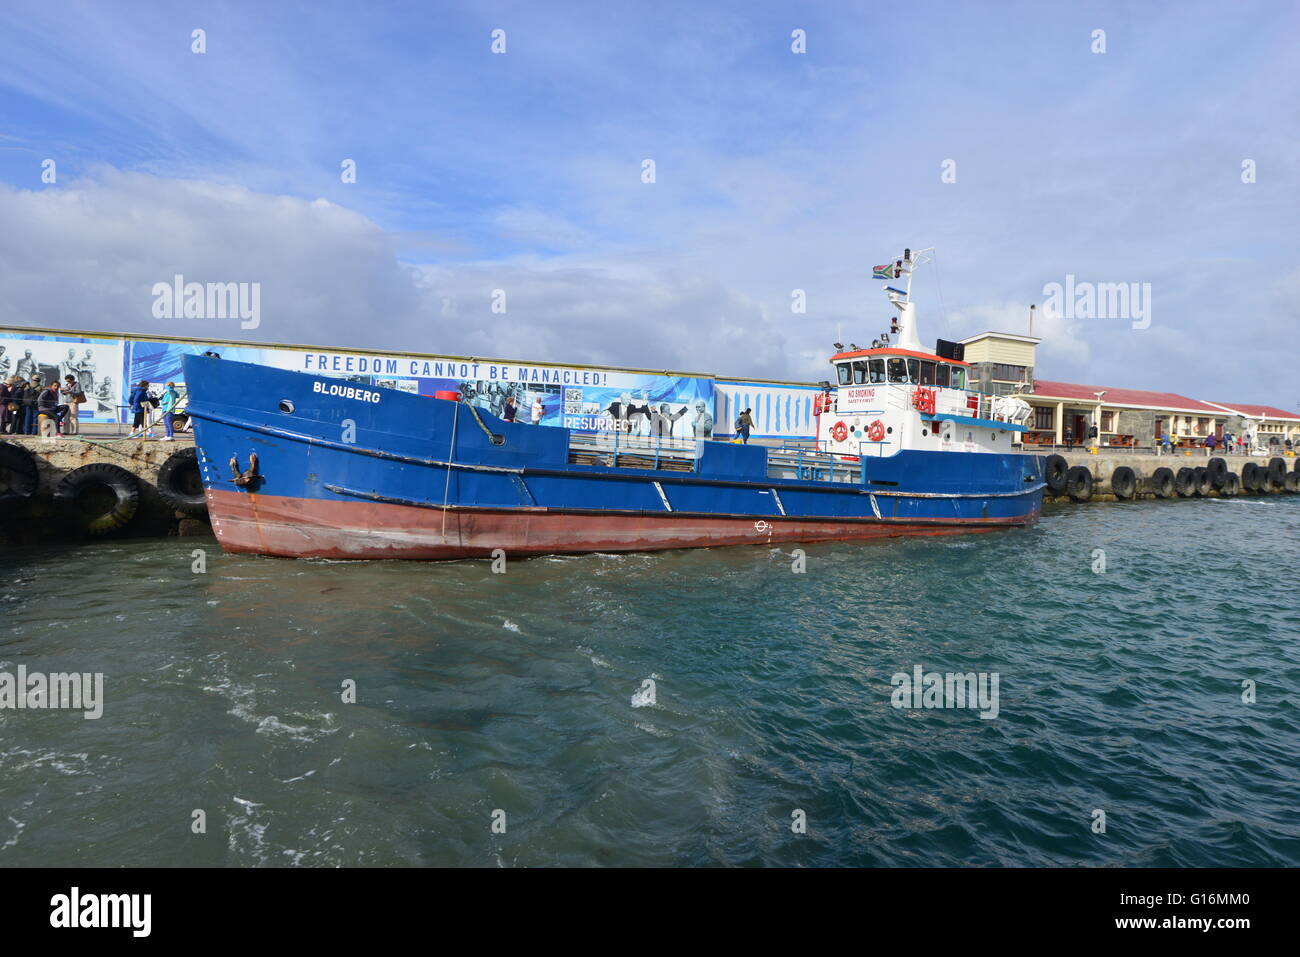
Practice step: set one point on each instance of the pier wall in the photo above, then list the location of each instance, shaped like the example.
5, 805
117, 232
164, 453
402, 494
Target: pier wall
1104, 462
41, 516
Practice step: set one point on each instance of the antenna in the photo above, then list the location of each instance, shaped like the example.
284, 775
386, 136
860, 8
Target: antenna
1031, 320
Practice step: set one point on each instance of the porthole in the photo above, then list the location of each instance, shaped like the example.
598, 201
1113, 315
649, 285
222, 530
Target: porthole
890, 430
286, 406
924, 433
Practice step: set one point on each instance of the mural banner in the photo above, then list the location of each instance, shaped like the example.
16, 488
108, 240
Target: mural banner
583, 399
95, 363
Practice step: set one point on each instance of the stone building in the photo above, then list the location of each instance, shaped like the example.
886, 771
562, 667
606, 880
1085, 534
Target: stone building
1066, 412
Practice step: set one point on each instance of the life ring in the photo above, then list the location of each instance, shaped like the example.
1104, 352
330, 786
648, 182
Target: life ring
100, 513
876, 431
19, 477
923, 400
839, 431
180, 484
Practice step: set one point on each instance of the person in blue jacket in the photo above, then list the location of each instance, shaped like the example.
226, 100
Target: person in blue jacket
139, 402
170, 398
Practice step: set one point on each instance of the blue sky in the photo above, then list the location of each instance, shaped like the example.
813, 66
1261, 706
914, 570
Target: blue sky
775, 171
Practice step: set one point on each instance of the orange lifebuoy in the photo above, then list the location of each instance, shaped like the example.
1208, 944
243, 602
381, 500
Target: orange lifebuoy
923, 399
839, 431
876, 431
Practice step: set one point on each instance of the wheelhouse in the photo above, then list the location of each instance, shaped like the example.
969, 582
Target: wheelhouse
904, 367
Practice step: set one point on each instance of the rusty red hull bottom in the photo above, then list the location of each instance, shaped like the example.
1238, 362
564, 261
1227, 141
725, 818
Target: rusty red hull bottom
318, 528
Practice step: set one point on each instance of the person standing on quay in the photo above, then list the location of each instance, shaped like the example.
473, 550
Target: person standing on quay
744, 424
168, 409
72, 397
13, 423
31, 398
138, 401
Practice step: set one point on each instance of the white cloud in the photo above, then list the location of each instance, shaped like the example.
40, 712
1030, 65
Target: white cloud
86, 255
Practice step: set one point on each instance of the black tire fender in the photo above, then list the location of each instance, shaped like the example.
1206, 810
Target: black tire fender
1078, 483
1276, 471
1162, 482
180, 483
1185, 482
19, 477
125, 488
1217, 469
1250, 477
1123, 482
1054, 470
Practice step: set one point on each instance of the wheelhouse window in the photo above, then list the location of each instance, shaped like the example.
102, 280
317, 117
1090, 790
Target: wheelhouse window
845, 373
958, 377
941, 376
877, 370
913, 370
859, 371
897, 369
927, 373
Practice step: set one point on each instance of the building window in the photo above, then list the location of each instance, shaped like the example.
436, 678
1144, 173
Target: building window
1108, 421
1045, 418
1007, 373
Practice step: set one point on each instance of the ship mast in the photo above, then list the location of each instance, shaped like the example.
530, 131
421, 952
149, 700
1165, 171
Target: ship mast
901, 299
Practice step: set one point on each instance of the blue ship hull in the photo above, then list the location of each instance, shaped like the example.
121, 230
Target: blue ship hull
354, 471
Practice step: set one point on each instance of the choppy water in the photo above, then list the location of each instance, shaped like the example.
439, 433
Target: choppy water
525, 692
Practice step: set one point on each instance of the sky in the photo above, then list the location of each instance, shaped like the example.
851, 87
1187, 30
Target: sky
997, 132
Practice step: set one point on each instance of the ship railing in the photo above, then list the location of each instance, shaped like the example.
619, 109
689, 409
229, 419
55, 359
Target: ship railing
811, 465
616, 448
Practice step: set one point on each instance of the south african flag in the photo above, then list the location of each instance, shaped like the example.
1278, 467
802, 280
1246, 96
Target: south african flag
882, 272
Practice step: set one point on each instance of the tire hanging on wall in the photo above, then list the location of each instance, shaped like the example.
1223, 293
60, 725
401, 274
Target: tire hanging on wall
1201, 483
180, 484
1078, 483
1185, 482
1231, 486
1292, 482
1250, 477
1054, 470
19, 478
1276, 471
1217, 469
1123, 482
101, 497
1162, 482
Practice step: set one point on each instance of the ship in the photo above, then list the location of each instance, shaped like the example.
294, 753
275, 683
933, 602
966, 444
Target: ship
309, 466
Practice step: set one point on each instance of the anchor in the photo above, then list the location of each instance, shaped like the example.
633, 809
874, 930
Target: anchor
247, 479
